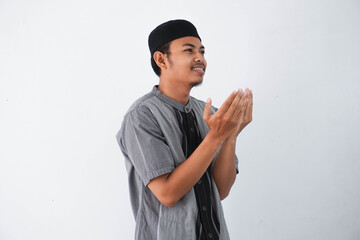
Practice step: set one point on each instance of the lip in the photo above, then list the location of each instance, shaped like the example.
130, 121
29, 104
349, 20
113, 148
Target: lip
200, 69
201, 72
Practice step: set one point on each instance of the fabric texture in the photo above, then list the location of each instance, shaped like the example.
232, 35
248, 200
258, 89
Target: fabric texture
151, 141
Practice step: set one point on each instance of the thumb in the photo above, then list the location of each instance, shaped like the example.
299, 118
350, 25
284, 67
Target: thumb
207, 108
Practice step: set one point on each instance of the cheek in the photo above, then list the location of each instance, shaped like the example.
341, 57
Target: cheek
185, 65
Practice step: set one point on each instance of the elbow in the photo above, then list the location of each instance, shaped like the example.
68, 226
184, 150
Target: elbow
164, 193
169, 204
223, 191
168, 201
223, 195
167, 198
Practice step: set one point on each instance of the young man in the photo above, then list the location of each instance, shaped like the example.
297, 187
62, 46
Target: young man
179, 151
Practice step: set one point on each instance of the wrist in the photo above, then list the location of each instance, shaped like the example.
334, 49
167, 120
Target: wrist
215, 138
231, 139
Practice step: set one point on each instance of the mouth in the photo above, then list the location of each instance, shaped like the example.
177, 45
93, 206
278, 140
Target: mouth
199, 69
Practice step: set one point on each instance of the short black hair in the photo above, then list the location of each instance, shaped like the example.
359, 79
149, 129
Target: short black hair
164, 49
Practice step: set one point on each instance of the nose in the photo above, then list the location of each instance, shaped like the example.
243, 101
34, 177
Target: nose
199, 58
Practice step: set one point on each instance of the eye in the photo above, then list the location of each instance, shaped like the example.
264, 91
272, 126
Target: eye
189, 50
202, 52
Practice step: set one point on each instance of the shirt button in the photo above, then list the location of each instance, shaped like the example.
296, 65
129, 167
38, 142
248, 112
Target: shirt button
210, 235
204, 208
187, 109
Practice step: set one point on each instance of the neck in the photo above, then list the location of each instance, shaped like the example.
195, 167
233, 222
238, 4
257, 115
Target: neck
175, 90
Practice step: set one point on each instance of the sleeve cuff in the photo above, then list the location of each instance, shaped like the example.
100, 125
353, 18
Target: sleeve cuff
157, 173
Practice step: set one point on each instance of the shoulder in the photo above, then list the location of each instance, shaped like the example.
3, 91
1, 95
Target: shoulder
141, 104
138, 115
143, 108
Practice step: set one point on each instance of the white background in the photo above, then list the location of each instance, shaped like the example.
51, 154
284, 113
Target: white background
70, 69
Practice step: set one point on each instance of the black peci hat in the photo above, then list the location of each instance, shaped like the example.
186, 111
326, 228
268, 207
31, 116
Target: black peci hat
169, 31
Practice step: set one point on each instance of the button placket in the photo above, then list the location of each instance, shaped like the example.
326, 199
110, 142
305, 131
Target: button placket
202, 188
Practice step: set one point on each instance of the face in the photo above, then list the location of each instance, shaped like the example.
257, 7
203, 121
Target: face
186, 62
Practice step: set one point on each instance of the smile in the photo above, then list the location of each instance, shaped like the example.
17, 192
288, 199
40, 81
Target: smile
199, 70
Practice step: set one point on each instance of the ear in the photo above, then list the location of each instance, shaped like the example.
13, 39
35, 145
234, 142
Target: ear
159, 58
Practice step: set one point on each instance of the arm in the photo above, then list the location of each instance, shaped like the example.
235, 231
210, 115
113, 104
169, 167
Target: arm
224, 170
169, 188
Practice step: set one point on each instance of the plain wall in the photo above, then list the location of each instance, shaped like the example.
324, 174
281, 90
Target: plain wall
69, 70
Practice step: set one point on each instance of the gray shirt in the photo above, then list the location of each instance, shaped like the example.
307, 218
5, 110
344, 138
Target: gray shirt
151, 142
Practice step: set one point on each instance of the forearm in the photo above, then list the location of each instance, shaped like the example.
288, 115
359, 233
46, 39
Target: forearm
187, 174
224, 170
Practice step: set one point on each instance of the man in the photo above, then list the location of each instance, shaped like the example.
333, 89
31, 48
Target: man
179, 151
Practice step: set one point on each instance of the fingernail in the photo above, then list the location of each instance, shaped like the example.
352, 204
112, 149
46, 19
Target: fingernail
234, 92
208, 100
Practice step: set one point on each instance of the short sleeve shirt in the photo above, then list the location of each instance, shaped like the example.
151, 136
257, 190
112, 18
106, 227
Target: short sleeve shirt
151, 142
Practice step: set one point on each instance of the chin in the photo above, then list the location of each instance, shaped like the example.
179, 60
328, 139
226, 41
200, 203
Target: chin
195, 84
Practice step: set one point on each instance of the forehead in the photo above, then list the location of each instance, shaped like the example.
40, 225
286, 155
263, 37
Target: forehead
180, 42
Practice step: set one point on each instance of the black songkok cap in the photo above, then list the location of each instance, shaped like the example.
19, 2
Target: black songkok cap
169, 31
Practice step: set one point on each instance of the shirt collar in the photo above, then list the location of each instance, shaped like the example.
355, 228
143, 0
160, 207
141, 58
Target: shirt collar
184, 108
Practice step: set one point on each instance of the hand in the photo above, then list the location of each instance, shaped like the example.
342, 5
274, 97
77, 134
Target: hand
229, 119
246, 114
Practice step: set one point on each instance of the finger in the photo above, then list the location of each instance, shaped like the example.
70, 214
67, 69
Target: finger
248, 113
250, 97
251, 100
225, 106
249, 108
235, 103
207, 109
245, 99
242, 104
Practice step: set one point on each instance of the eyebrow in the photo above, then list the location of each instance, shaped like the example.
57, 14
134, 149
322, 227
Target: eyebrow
193, 46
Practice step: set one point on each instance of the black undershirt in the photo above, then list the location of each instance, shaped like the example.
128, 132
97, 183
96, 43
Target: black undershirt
207, 223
